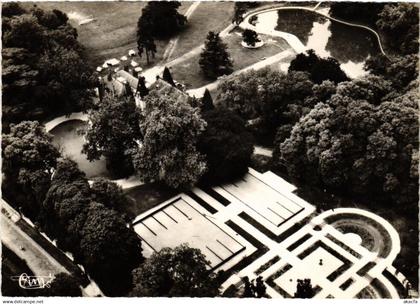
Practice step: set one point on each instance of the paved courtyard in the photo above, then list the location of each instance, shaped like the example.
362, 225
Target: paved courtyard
260, 222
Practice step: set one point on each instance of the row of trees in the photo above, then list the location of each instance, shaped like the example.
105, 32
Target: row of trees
44, 71
57, 195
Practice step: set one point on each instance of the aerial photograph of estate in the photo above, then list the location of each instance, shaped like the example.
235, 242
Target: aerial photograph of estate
210, 149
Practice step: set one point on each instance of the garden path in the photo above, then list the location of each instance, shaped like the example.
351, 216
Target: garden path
174, 41
199, 92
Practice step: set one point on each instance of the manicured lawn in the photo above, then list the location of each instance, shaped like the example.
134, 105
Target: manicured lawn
144, 197
189, 72
208, 16
113, 32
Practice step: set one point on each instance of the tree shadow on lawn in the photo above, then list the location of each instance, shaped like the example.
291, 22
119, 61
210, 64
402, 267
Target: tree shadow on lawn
144, 197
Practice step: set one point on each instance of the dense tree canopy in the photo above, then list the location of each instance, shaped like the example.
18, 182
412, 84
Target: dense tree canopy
178, 272
361, 146
28, 160
227, 145
44, 71
214, 60
63, 210
370, 88
97, 236
113, 132
168, 153
160, 19
320, 69
399, 70
400, 22
108, 194
269, 98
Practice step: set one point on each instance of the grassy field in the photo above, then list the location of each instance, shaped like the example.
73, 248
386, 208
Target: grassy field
144, 197
113, 32
208, 16
189, 72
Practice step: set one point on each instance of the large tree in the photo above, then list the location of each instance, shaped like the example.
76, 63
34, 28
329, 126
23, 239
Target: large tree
178, 272
63, 211
113, 132
267, 98
319, 68
250, 37
160, 19
214, 60
227, 145
28, 159
170, 128
359, 146
146, 44
109, 194
110, 250
44, 70
370, 88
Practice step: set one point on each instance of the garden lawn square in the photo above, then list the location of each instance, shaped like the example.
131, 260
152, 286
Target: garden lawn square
180, 221
268, 202
288, 280
329, 262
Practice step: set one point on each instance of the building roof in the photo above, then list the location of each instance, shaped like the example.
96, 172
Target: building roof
163, 88
133, 81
